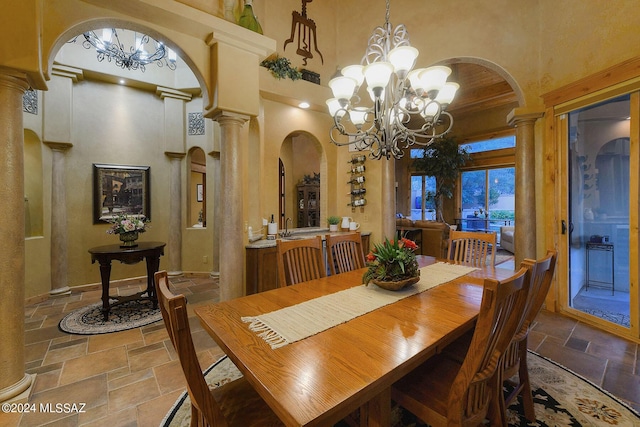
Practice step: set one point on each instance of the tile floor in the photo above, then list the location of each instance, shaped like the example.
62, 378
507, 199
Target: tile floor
132, 378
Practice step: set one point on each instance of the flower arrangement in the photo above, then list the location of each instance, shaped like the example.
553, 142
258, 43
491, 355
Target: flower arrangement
392, 261
127, 223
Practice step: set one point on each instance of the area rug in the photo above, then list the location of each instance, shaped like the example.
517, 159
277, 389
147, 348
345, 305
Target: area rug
128, 315
503, 256
562, 398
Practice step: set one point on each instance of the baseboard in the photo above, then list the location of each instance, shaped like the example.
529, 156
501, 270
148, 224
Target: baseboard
112, 284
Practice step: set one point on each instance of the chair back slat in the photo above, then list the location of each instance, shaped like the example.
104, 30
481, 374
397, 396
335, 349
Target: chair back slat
174, 314
472, 248
500, 312
299, 260
344, 252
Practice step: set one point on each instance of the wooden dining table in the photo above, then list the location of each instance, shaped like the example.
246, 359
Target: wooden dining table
322, 379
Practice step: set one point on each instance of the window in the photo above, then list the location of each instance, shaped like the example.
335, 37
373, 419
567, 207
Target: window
422, 206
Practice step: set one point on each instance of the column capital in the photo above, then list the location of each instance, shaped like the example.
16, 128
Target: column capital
165, 92
227, 117
518, 116
58, 146
174, 155
13, 82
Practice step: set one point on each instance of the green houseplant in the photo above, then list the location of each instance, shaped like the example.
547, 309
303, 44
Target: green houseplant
442, 160
281, 68
333, 222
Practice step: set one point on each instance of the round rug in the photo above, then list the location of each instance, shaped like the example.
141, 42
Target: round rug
128, 315
561, 398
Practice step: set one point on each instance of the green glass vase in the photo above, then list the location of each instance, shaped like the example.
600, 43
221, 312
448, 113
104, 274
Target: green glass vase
248, 19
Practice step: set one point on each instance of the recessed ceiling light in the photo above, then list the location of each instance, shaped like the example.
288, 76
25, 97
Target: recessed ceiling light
304, 105
121, 81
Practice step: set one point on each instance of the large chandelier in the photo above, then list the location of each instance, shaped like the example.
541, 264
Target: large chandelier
142, 50
408, 104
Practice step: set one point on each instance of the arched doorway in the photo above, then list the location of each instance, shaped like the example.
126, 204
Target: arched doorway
301, 160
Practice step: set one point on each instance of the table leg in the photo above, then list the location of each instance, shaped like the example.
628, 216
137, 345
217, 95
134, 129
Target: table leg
378, 410
105, 274
153, 264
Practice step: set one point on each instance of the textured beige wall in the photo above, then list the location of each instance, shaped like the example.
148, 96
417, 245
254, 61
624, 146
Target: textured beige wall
536, 45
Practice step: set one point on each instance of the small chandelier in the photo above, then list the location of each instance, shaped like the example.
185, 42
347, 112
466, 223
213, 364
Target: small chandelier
408, 104
143, 50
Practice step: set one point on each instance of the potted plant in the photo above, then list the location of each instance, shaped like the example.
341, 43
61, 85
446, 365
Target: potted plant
442, 159
392, 264
333, 222
281, 68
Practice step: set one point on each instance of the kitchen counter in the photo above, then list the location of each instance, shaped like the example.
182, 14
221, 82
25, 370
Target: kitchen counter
261, 259
301, 233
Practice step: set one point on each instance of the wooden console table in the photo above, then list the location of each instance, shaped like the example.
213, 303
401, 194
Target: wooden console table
151, 251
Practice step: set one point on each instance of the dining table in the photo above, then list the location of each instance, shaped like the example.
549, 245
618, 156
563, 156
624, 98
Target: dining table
349, 368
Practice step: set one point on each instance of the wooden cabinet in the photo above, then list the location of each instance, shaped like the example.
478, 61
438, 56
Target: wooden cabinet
262, 270
262, 267
308, 205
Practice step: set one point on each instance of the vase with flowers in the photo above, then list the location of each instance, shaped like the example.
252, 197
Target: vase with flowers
128, 228
392, 264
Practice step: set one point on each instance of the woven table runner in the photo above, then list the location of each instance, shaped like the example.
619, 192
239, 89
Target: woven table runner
290, 324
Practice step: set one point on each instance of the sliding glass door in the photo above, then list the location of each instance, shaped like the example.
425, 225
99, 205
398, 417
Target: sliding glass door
599, 183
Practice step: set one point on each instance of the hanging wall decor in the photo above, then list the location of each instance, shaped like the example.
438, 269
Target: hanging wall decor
305, 29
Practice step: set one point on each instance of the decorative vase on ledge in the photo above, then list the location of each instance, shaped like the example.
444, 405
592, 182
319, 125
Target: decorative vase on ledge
129, 239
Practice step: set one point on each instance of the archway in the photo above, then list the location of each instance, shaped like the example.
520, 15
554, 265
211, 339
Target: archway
302, 157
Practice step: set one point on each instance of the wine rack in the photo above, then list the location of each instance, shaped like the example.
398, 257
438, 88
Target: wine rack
357, 182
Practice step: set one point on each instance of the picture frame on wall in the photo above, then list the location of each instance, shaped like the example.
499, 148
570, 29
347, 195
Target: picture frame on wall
120, 190
199, 192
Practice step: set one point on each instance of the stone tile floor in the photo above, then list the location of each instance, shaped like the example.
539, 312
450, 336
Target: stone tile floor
132, 377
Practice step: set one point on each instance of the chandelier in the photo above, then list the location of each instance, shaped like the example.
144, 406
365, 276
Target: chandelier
408, 104
142, 50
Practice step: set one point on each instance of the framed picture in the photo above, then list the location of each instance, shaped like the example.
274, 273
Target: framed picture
199, 192
118, 190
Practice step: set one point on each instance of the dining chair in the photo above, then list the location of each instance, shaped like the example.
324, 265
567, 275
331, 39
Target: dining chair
476, 249
235, 403
344, 252
445, 392
299, 260
514, 360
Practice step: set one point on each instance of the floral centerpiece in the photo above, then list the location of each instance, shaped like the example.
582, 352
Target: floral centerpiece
392, 264
128, 227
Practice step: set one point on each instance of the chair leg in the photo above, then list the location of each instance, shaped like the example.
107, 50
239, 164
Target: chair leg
497, 411
525, 384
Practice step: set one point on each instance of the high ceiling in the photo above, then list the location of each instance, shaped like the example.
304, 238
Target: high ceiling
480, 89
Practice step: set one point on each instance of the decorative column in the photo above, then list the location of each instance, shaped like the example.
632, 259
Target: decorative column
215, 193
175, 215
388, 208
56, 134
231, 207
59, 229
174, 143
525, 235
14, 382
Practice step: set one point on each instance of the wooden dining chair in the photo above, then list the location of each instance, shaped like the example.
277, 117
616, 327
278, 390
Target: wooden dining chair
344, 252
233, 404
299, 260
514, 360
445, 392
472, 248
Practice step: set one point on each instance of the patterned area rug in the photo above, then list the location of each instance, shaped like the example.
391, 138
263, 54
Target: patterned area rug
562, 398
128, 315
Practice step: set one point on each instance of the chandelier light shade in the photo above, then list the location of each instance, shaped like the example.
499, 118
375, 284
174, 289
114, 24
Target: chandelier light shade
408, 104
140, 51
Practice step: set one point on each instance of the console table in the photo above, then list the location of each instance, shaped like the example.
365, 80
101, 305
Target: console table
151, 251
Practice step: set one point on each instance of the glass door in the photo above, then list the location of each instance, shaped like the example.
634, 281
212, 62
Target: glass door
598, 209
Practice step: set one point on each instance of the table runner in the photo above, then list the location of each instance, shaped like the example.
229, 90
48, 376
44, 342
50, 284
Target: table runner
290, 324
